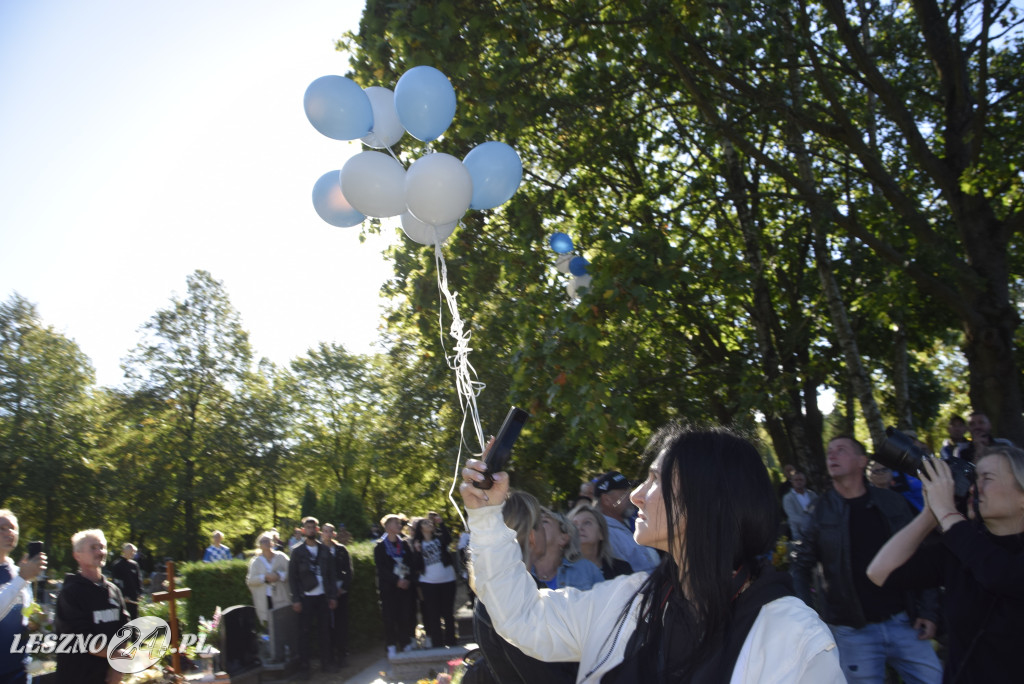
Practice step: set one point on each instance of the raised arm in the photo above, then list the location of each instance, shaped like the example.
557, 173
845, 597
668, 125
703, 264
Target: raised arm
900, 547
544, 624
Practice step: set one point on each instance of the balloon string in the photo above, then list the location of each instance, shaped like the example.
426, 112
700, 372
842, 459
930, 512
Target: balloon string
466, 384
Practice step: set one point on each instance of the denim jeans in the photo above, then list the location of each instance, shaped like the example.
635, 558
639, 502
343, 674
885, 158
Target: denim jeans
864, 652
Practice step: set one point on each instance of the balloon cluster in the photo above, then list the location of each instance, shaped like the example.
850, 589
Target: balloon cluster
567, 262
437, 189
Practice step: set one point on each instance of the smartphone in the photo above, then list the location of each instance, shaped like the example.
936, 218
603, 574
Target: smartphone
501, 451
35, 548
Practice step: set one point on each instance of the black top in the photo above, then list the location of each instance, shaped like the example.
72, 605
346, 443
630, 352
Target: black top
617, 567
984, 600
87, 607
125, 574
868, 532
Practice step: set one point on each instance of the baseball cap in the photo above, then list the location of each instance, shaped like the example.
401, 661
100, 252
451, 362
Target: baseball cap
611, 480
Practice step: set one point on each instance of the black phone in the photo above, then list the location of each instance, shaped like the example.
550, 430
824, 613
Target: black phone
501, 451
35, 548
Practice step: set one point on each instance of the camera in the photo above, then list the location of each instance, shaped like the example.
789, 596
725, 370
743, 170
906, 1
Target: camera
902, 453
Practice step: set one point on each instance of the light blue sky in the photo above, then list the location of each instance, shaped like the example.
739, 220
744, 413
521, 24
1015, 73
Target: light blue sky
140, 141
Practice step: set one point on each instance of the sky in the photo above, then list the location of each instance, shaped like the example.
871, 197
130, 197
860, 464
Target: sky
141, 141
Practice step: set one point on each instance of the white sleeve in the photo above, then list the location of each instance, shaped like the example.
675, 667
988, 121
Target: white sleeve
11, 595
545, 624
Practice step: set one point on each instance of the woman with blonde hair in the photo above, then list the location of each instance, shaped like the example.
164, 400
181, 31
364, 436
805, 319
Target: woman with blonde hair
562, 564
268, 578
522, 514
592, 532
980, 562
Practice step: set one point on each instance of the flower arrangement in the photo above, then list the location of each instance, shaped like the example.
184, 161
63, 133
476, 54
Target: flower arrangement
211, 627
780, 556
39, 622
456, 669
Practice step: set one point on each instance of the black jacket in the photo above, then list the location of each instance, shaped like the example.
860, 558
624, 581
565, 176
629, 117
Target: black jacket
342, 566
827, 540
387, 580
125, 574
301, 577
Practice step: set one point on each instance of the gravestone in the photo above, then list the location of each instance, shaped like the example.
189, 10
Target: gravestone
239, 643
283, 628
156, 581
283, 633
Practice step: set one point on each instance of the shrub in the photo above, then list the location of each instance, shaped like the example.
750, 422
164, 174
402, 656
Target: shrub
213, 584
365, 625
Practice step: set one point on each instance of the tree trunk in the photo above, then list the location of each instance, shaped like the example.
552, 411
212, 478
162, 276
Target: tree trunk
901, 378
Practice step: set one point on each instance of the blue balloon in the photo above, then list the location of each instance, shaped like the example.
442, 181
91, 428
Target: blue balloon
496, 171
330, 202
561, 243
578, 266
338, 108
425, 102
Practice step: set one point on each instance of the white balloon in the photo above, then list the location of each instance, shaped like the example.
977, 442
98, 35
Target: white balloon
578, 284
438, 189
374, 184
562, 262
387, 129
420, 232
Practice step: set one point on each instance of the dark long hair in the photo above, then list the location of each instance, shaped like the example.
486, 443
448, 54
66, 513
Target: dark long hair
717, 487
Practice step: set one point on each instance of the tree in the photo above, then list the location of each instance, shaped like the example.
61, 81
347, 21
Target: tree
45, 424
193, 357
677, 157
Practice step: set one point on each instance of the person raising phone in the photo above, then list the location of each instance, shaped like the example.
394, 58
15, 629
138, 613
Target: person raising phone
712, 611
979, 562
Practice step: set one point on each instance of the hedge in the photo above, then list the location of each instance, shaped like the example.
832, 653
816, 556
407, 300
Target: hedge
365, 626
213, 584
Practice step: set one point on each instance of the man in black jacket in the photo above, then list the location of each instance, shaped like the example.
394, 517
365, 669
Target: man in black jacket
343, 580
845, 528
125, 574
91, 606
311, 578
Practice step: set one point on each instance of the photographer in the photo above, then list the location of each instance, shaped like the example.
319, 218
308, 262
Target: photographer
981, 564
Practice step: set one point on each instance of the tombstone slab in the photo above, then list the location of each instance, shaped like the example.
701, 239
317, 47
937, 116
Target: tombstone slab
239, 641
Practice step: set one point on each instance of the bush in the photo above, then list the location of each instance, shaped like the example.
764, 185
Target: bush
365, 625
223, 584
212, 584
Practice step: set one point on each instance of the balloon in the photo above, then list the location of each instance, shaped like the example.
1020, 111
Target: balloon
387, 129
438, 189
330, 202
425, 101
578, 266
561, 243
562, 262
496, 171
420, 232
374, 183
338, 108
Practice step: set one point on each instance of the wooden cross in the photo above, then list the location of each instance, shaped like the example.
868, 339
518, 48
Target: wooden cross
171, 596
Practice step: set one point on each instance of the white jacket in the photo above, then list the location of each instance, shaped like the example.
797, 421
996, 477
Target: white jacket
256, 579
787, 642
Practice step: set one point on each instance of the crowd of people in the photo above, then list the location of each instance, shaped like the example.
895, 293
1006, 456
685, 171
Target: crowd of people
890, 575
670, 579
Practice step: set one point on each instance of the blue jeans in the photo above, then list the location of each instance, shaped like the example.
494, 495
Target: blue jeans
864, 652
